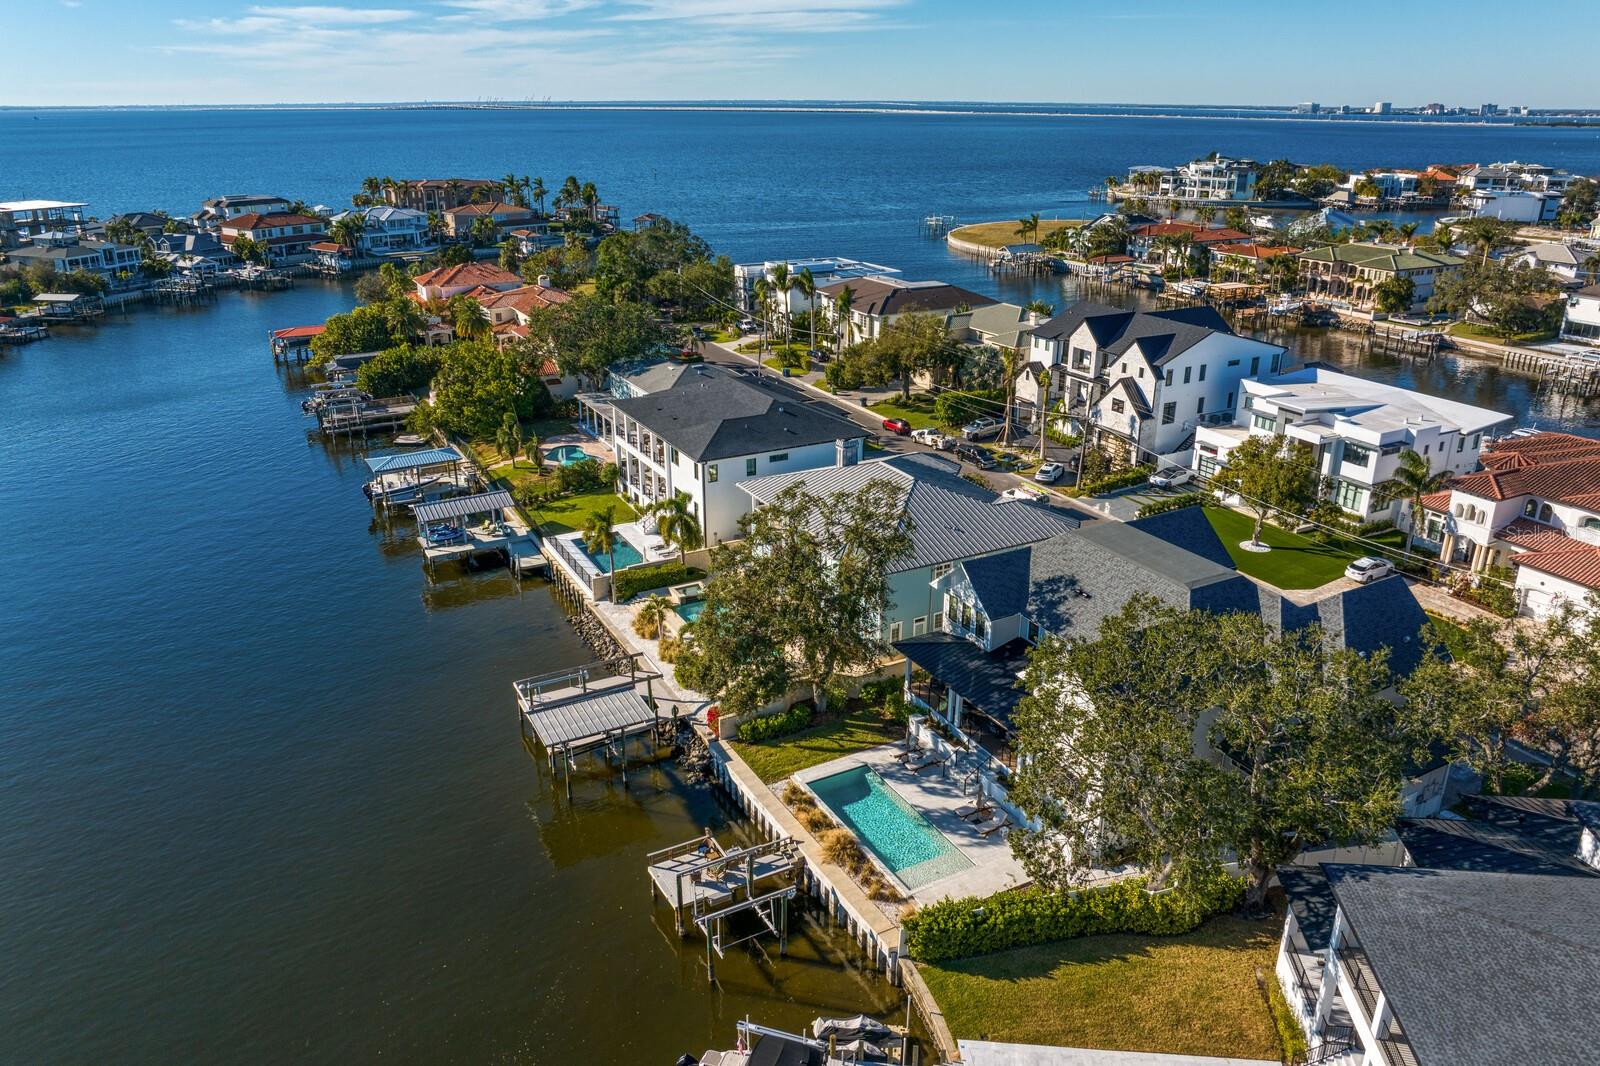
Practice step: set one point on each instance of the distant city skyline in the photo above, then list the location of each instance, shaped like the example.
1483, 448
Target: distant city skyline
165, 52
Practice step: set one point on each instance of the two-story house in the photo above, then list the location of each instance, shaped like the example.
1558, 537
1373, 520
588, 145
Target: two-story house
1148, 242
222, 208
1350, 274
288, 238
877, 302
1582, 319
1358, 430
441, 194
1213, 179
66, 253
442, 283
825, 271
708, 432
459, 221
951, 520
21, 220
391, 230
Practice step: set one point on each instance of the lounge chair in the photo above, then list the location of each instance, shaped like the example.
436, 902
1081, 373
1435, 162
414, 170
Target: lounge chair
906, 757
993, 825
931, 761
969, 811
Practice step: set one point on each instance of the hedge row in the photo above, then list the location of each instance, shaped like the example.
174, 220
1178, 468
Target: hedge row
626, 584
1110, 482
1174, 503
770, 726
957, 928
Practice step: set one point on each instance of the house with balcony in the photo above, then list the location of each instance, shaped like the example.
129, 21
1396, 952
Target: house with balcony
1535, 507
66, 253
1582, 319
991, 610
1357, 429
220, 209
288, 238
951, 521
1213, 179
877, 302
458, 221
200, 254
1250, 261
825, 271
1471, 949
391, 231
23, 220
1349, 274
710, 431
442, 283
1141, 381
1148, 242
441, 194
1511, 177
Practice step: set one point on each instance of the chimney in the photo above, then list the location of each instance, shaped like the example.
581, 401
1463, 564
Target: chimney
846, 453
544, 281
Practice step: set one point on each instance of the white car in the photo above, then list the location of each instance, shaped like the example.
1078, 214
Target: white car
1367, 569
1171, 477
1049, 473
933, 439
1023, 492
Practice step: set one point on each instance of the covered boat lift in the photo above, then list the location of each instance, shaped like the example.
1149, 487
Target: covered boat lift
415, 476
594, 708
443, 537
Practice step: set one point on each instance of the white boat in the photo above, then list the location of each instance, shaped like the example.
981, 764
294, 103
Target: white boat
410, 440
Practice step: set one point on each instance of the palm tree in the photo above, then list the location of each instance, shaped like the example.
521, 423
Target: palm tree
841, 315
403, 317
513, 190
652, 612
1591, 266
600, 535
451, 188
1414, 479
538, 192
534, 451
1204, 214
435, 224
590, 196
372, 186
807, 286
763, 293
677, 523
1011, 359
1040, 308
782, 282
348, 230
467, 316
1408, 230
508, 438
1027, 225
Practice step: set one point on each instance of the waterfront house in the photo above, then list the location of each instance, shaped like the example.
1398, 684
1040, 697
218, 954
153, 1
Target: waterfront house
1357, 430
441, 194
458, 221
66, 253
825, 271
535, 237
951, 521
149, 223
1145, 380
287, 237
442, 283
709, 431
877, 302
1456, 965
1349, 274
391, 231
1581, 321
1516, 205
1493, 178
201, 254
1213, 179
23, 220
1247, 261
510, 312
995, 608
222, 208
1149, 242
1565, 261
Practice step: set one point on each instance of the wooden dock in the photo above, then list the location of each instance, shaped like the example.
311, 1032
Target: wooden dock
708, 886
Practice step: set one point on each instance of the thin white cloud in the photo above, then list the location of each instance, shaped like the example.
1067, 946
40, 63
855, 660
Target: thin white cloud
517, 10
793, 13
330, 15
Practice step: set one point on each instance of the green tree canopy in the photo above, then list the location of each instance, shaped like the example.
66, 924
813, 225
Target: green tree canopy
478, 384
403, 369
589, 333
1511, 298
1270, 473
1393, 295
362, 329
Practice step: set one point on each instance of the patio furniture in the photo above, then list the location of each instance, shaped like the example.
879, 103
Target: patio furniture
971, 811
931, 761
993, 825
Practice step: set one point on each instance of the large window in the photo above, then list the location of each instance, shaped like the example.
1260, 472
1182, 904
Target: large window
711, 473
1266, 422
778, 457
1117, 407
750, 467
1355, 455
1350, 496
1169, 413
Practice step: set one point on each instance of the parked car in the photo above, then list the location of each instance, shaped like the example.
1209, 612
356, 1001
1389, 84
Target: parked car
978, 457
747, 325
981, 428
1170, 477
929, 436
1023, 492
1367, 569
1049, 473
898, 426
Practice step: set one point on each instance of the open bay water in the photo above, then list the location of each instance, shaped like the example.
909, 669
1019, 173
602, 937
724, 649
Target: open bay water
262, 795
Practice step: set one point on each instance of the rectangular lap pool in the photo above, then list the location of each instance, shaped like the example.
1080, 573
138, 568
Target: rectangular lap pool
905, 841
626, 555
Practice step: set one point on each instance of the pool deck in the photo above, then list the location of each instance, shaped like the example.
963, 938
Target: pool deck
936, 796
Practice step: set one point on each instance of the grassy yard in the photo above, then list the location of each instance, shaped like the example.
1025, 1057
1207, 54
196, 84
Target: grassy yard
1194, 994
1295, 562
859, 729
571, 513
1476, 331
918, 410
1000, 234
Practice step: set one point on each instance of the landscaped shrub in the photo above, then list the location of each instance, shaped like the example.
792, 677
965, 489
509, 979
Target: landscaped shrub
1173, 503
669, 648
626, 584
1290, 1035
815, 819
585, 475
769, 726
1111, 482
797, 797
956, 928
840, 848
1493, 591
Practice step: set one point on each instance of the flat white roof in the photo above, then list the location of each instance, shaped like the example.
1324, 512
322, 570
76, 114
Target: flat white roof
1369, 403
36, 205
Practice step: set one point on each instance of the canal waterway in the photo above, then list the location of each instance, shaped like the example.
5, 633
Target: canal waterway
262, 795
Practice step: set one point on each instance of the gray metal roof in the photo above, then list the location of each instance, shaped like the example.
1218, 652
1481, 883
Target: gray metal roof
459, 506
1481, 969
389, 464
709, 418
988, 681
589, 715
951, 518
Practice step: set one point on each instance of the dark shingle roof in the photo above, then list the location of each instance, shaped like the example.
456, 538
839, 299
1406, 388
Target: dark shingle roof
951, 518
877, 297
1161, 335
988, 681
1458, 844
721, 418
1311, 900
1480, 969
1187, 528
1000, 582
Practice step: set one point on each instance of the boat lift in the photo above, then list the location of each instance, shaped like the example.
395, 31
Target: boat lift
708, 884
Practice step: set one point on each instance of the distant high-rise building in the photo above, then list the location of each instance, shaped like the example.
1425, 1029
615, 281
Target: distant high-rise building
1488, 109
1433, 109
1308, 108
1382, 107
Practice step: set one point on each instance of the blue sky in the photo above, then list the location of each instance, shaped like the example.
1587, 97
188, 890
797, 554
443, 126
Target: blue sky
228, 51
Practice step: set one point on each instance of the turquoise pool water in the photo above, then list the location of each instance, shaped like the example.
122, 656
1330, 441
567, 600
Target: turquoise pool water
905, 841
689, 612
566, 455
625, 554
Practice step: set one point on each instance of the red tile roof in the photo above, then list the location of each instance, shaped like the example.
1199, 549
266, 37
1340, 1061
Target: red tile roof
1437, 501
1258, 251
1537, 537
525, 299
255, 221
1201, 234
1518, 452
290, 333
1581, 566
494, 207
466, 274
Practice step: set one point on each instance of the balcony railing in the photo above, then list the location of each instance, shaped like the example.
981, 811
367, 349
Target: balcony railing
1304, 983
1358, 971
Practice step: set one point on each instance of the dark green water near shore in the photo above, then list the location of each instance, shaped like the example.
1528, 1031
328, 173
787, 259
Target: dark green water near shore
262, 790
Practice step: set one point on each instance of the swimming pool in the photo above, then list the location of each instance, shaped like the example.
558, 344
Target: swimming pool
566, 455
624, 553
905, 841
690, 611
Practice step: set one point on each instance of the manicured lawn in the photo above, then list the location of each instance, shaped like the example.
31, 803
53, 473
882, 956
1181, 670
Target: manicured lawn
571, 513
1295, 562
774, 760
1481, 332
1000, 234
918, 411
1194, 994
1451, 632
777, 364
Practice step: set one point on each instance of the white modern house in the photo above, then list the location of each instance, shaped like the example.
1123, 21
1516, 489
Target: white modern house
952, 520
825, 270
1216, 179
21, 220
1357, 429
222, 208
1513, 176
1582, 321
1516, 205
709, 432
